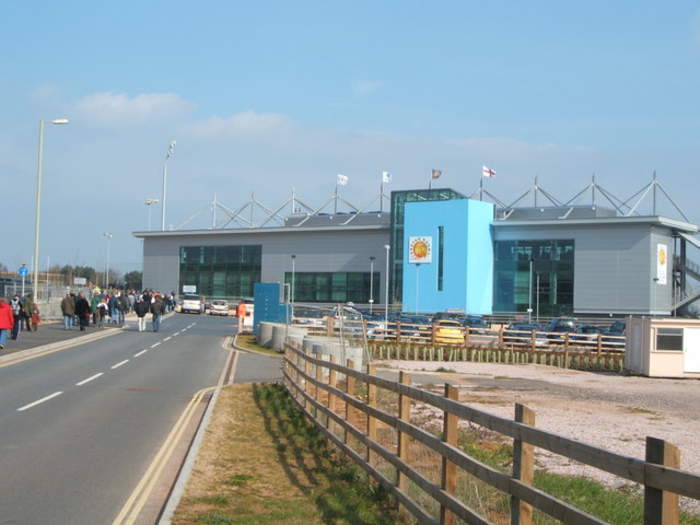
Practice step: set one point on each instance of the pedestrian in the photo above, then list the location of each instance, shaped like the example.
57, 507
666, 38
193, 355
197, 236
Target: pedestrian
94, 302
28, 307
18, 313
36, 318
141, 308
157, 310
103, 311
240, 312
112, 303
7, 321
82, 310
68, 311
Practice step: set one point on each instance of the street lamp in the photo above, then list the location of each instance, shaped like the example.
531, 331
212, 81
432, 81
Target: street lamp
529, 299
109, 241
37, 211
149, 203
386, 289
170, 153
291, 291
371, 283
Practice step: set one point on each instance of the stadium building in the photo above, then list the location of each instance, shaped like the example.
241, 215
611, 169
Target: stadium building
438, 249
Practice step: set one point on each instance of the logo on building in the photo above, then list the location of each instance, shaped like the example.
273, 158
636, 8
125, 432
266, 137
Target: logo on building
420, 250
661, 263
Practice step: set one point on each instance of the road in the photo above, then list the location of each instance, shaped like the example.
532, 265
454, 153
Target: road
78, 428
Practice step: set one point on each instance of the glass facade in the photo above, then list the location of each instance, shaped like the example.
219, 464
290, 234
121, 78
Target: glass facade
328, 287
398, 203
221, 271
552, 261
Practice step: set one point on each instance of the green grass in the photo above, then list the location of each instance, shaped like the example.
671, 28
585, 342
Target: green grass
624, 506
249, 342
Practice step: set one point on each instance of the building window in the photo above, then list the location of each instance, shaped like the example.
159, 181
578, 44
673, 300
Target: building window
669, 339
441, 251
328, 287
221, 271
552, 277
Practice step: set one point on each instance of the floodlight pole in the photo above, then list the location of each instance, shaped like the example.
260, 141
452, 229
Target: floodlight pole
291, 289
529, 298
170, 153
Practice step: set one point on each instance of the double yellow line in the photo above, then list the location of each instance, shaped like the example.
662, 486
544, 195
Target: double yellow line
133, 506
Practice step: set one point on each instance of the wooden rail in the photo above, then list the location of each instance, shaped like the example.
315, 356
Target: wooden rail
659, 473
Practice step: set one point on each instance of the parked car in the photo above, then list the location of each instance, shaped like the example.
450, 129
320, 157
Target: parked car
522, 333
586, 332
560, 325
611, 336
448, 331
476, 324
192, 303
218, 307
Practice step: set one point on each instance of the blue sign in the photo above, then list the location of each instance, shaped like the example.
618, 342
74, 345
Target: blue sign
23, 271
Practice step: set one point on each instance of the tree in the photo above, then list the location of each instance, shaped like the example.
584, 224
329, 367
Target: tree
133, 279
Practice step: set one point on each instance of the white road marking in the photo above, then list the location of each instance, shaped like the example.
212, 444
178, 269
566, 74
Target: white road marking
38, 401
141, 352
167, 339
176, 333
88, 379
119, 364
155, 344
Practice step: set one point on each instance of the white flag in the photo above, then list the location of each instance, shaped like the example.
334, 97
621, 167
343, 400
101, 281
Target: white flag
171, 150
386, 177
487, 172
342, 180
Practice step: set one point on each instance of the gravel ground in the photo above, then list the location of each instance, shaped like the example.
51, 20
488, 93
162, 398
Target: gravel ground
606, 410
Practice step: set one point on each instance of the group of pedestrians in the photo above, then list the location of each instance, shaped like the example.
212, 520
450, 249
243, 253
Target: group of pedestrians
111, 308
15, 314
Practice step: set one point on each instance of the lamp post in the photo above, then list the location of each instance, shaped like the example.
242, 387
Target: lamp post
371, 283
109, 241
291, 291
37, 210
537, 298
149, 203
170, 153
529, 295
386, 289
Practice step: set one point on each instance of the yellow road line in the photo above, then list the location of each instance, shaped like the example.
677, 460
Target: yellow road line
138, 497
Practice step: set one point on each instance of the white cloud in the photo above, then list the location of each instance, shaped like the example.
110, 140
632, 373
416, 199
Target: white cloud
239, 125
120, 109
366, 87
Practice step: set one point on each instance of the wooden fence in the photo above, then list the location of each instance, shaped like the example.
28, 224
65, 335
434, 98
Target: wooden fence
315, 385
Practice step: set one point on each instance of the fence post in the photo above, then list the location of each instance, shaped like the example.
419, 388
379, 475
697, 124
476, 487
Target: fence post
319, 378
307, 383
350, 390
600, 344
523, 468
404, 440
398, 331
450, 424
661, 507
371, 422
500, 335
466, 337
533, 341
332, 382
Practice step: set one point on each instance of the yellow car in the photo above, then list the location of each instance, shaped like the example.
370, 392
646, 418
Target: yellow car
448, 331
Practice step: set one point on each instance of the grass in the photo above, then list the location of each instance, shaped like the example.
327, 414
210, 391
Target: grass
249, 342
263, 462
624, 506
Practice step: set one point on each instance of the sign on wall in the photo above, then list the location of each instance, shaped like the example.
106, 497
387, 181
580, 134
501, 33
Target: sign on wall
189, 288
661, 263
420, 250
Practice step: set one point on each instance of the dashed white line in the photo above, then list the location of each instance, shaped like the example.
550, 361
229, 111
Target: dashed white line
89, 379
155, 344
176, 333
141, 352
38, 401
119, 364
167, 339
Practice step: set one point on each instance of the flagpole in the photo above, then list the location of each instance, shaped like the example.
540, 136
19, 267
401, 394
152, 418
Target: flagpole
481, 188
335, 205
430, 181
381, 195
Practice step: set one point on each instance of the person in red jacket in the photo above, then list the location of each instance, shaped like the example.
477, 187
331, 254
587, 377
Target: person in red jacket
7, 321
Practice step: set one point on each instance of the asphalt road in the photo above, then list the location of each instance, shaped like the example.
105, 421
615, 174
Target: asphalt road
78, 428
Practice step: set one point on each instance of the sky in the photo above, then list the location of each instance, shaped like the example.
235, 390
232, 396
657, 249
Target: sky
265, 96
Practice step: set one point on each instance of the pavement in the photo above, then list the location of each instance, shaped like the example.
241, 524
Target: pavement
80, 427
46, 334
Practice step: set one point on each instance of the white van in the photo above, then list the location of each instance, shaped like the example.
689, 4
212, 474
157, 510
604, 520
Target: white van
192, 303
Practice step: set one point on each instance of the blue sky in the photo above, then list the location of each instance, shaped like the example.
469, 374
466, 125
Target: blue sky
265, 95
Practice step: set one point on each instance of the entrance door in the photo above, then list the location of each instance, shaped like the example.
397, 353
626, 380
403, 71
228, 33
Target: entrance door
691, 350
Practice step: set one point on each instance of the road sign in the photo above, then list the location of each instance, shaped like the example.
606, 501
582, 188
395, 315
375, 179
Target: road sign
23, 271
